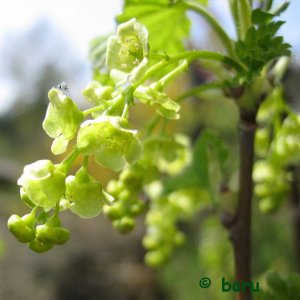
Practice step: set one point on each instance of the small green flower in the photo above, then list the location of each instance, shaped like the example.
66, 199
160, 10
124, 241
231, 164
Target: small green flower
109, 141
126, 54
62, 120
286, 145
85, 194
43, 183
165, 107
97, 94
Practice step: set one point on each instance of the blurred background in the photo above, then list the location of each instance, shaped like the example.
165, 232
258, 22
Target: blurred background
43, 43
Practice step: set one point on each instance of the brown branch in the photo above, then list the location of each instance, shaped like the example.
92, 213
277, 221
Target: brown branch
295, 202
240, 224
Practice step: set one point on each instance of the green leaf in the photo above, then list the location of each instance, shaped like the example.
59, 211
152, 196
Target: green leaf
294, 286
157, 15
281, 8
261, 44
203, 2
209, 156
277, 285
208, 141
280, 288
259, 16
188, 178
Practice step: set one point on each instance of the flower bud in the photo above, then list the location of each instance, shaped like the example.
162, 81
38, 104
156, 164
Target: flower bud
155, 258
39, 247
114, 212
52, 235
124, 225
22, 228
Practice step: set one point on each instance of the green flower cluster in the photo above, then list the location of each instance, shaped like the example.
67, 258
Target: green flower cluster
162, 235
286, 145
44, 186
162, 156
40, 233
138, 187
271, 185
277, 143
103, 133
165, 211
269, 118
128, 202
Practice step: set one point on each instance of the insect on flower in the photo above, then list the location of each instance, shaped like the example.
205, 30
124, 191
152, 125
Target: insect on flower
63, 87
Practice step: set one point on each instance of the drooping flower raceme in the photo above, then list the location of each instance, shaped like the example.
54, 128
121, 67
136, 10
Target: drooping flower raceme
106, 136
